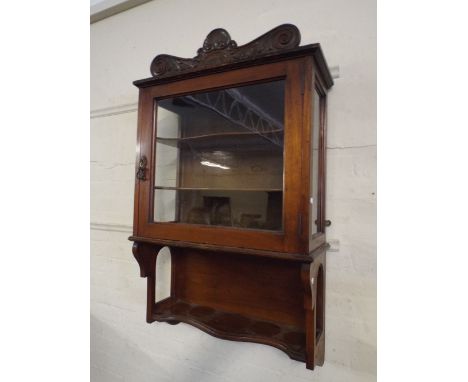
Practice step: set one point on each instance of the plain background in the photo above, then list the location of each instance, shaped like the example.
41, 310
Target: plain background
421, 183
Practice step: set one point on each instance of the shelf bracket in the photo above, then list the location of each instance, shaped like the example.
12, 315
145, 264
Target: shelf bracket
313, 281
146, 256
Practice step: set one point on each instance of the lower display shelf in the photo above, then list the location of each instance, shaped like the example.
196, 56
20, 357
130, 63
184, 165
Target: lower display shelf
233, 326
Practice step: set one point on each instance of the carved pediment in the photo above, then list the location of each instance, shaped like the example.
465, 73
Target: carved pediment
219, 49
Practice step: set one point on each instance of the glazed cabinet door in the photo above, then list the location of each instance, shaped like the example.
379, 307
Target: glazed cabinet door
219, 158
314, 158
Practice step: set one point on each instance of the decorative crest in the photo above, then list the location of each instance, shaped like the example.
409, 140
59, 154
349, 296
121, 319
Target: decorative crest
218, 49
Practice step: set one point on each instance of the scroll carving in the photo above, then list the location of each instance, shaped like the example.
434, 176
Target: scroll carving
219, 49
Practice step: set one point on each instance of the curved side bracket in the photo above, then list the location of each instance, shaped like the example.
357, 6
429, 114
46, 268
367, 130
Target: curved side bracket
146, 256
313, 282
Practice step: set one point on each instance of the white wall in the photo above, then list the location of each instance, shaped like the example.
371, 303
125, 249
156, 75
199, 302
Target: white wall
124, 347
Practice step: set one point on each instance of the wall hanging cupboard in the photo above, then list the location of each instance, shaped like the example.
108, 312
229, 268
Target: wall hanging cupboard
230, 176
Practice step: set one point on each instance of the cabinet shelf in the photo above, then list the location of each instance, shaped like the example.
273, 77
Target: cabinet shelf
218, 189
220, 135
233, 326
238, 140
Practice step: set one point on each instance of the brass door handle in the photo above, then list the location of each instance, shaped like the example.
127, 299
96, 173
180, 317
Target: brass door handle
141, 173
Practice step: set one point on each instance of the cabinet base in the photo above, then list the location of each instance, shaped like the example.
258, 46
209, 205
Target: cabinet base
243, 298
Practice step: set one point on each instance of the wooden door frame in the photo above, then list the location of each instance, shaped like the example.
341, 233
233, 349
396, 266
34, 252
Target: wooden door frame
292, 71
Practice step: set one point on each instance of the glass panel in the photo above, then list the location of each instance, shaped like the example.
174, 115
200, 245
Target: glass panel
314, 197
219, 157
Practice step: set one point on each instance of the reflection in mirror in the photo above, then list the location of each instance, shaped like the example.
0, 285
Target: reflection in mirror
219, 157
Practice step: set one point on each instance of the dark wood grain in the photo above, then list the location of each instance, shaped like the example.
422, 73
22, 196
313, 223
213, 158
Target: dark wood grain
233, 283
221, 280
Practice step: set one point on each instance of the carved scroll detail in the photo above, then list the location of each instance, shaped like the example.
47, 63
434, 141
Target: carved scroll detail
219, 49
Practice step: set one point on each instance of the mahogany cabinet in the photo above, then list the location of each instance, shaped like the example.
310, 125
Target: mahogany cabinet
230, 176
